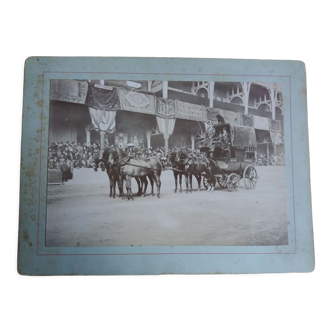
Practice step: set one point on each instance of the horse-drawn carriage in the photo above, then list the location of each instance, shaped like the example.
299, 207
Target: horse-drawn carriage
231, 150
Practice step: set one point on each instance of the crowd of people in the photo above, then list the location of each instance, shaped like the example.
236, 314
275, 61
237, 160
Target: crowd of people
85, 155
262, 159
79, 155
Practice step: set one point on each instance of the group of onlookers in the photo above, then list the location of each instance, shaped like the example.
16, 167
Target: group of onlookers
79, 155
269, 160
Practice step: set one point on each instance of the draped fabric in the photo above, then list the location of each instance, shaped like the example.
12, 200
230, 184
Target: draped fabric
166, 108
247, 120
275, 126
166, 126
231, 117
189, 111
69, 90
136, 102
276, 138
102, 120
261, 123
103, 99
212, 113
243, 137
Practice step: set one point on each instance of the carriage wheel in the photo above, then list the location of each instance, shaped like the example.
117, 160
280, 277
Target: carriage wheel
233, 182
250, 177
206, 182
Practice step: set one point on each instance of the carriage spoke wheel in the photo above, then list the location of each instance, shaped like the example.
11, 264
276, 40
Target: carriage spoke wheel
250, 177
233, 182
206, 182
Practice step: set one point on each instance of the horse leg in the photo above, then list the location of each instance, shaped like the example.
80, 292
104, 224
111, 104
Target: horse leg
114, 186
187, 182
120, 186
213, 183
199, 178
128, 187
176, 180
191, 183
139, 184
151, 177
145, 182
158, 183
180, 181
111, 185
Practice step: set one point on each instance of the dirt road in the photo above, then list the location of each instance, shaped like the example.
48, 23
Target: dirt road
80, 213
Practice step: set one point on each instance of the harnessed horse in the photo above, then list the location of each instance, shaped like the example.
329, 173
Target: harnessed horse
196, 166
177, 167
126, 167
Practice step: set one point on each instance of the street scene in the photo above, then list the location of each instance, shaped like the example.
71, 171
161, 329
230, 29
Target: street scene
81, 213
111, 142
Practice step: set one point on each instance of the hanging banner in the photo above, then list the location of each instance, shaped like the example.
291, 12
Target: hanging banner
232, 117
212, 114
102, 120
69, 90
190, 111
165, 108
276, 138
247, 120
275, 126
166, 126
102, 99
136, 102
261, 123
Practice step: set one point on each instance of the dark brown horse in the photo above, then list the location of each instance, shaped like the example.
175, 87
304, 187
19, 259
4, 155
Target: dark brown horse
177, 167
110, 159
195, 166
216, 167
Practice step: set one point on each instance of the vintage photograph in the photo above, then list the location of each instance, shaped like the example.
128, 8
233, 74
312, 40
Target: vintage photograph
166, 163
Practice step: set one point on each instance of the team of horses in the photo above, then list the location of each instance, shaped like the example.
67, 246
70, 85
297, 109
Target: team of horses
122, 167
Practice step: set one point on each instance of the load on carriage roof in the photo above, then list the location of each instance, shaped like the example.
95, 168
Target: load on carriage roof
242, 143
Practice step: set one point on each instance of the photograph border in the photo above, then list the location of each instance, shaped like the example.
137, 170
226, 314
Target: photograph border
46, 75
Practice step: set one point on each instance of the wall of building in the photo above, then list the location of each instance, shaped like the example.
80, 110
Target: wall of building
67, 122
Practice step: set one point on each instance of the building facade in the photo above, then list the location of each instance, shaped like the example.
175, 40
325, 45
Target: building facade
172, 114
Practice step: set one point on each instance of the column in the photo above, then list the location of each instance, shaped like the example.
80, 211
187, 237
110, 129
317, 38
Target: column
149, 85
246, 89
88, 137
273, 96
166, 136
165, 89
88, 134
211, 93
267, 150
274, 149
148, 138
102, 142
192, 142
102, 82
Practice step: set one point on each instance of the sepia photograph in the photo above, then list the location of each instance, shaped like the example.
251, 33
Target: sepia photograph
165, 163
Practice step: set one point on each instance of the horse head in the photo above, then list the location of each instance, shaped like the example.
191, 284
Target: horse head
181, 155
171, 157
113, 156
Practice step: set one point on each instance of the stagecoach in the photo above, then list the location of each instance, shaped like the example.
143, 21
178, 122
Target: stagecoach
233, 160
